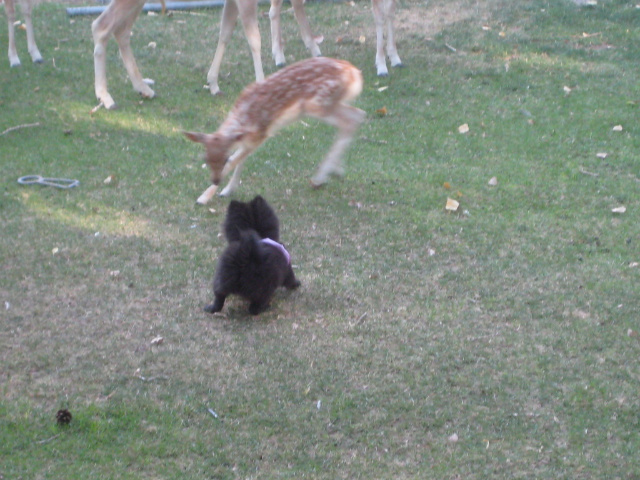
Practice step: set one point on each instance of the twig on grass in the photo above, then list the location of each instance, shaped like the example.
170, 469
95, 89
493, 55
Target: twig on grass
17, 127
360, 320
371, 140
585, 172
151, 379
47, 440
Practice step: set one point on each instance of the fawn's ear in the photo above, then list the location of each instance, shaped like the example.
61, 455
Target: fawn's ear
196, 137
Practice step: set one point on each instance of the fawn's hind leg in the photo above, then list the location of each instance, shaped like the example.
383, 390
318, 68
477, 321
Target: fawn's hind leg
347, 118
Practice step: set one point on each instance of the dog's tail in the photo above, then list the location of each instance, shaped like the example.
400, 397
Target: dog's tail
255, 215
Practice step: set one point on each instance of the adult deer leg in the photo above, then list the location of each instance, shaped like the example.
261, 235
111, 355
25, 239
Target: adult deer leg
384, 14
122, 35
392, 52
116, 20
277, 46
305, 28
248, 11
14, 59
31, 38
249, 18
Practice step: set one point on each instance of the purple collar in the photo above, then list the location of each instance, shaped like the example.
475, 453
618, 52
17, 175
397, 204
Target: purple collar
279, 246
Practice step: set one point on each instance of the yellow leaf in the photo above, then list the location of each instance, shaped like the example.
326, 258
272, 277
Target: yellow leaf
452, 205
382, 111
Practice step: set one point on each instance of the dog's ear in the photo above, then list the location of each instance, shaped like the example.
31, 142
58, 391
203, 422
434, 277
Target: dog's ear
196, 137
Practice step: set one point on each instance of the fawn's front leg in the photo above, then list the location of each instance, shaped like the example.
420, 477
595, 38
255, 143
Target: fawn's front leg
235, 162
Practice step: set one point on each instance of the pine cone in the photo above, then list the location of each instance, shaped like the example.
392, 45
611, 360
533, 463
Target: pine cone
63, 417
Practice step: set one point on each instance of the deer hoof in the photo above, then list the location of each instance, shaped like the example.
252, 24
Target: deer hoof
315, 185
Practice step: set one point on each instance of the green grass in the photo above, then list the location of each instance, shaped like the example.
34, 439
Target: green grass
511, 323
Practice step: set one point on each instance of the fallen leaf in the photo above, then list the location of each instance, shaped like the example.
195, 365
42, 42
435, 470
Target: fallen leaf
566, 89
452, 205
619, 209
602, 155
464, 128
157, 341
109, 179
453, 438
493, 181
362, 39
447, 185
382, 89
486, 28
55, 250
632, 333
152, 45
431, 252
382, 111
633, 264
617, 128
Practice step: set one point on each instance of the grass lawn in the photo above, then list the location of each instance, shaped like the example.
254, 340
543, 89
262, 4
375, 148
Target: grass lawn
497, 341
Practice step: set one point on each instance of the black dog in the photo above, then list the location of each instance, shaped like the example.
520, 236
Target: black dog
254, 264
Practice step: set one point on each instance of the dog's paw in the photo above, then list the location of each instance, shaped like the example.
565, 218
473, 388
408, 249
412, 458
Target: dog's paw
213, 308
257, 308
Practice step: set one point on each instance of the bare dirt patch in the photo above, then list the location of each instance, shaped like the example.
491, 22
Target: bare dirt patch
429, 19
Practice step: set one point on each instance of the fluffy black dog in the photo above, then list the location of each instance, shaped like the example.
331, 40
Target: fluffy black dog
254, 264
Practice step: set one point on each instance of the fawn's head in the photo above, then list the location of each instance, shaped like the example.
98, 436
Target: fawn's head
216, 152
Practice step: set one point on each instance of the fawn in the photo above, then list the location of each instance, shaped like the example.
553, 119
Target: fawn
318, 87
27, 5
